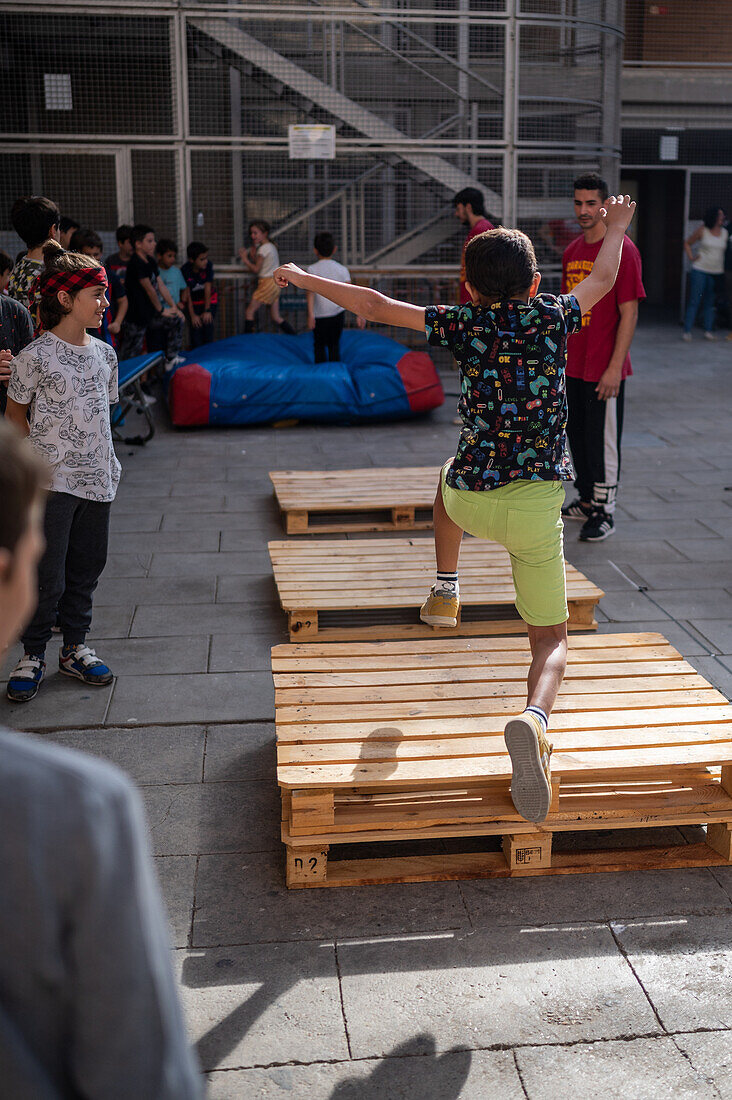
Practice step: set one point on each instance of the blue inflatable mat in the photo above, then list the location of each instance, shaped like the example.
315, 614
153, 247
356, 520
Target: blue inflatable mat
262, 379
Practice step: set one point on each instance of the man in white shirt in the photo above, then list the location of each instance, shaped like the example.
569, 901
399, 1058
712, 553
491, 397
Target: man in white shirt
325, 318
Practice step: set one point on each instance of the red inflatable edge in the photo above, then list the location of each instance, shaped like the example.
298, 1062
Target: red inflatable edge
189, 397
421, 381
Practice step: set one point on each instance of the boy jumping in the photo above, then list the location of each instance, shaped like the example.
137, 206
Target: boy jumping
504, 482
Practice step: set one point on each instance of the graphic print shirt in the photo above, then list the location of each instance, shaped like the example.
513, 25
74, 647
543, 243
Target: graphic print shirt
69, 390
513, 400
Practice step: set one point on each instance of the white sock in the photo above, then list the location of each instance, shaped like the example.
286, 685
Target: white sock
540, 714
447, 584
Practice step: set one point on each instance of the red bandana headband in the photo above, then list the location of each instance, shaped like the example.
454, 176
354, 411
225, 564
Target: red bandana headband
71, 281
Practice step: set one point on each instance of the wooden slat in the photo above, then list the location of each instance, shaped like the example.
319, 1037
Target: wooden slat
455, 646
348, 576
328, 490
444, 867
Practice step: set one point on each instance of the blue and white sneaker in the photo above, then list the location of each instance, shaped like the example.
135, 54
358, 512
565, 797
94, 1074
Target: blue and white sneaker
25, 679
83, 663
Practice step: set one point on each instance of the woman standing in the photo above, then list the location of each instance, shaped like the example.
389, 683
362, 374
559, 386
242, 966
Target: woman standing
711, 241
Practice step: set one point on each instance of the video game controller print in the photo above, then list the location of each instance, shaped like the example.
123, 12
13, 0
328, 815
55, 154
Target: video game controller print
533, 404
509, 406
68, 430
536, 385
87, 478
524, 455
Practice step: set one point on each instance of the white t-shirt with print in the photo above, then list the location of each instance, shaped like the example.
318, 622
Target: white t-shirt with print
328, 269
69, 390
270, 259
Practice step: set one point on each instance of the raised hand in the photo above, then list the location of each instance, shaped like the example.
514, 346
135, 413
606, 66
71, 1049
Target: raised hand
618, 210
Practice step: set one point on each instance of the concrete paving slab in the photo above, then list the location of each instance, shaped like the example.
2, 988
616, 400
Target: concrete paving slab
717, 631
111, 621
710, 1054
623, 607
504, 986
624, 548
719, 549
176, 875
61, 703
700, 604
257, 530
243, 899
133, 564
467, 1074
684, 965
240, 752
133, 522
154, 656
168, 620
707, 574
243, 652
165, 542
205, 564
258, 589
248, 1007
211, 697
602, 897
644, 1069
212, 817
149, 754
154, 590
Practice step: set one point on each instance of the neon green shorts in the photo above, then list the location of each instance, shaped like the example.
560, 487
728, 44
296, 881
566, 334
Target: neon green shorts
526, 518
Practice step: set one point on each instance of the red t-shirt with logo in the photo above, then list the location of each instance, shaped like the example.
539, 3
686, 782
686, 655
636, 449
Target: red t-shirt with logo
590, 350
481, 226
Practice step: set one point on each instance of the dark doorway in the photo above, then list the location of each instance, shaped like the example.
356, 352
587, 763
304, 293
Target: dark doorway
659, 232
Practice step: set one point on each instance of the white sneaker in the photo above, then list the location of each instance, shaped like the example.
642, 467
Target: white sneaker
686, 336
149, 399
709, 336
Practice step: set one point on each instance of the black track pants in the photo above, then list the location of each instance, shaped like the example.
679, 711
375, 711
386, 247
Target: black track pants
595, 429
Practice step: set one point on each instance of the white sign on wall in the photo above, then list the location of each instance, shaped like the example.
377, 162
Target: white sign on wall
312, 142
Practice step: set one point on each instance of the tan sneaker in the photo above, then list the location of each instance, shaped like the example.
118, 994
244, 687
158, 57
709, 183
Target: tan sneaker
440, 609
530, 752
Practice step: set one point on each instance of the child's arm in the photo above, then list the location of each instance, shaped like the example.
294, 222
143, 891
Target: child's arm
253, 265
618, 213
311, 308
167, 297
207, 288
360, 300
18, 415
116, 324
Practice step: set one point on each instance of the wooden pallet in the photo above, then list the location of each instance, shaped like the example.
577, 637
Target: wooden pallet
330, 501
369, 588
401, 741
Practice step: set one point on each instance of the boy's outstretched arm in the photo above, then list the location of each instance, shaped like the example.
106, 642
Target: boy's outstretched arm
618, 213
360, 300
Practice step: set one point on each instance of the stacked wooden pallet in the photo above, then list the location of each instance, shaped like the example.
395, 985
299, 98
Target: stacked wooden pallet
323, 501
403, 741
336, 590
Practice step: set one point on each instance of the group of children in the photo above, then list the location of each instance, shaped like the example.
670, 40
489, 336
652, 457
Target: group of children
504, 482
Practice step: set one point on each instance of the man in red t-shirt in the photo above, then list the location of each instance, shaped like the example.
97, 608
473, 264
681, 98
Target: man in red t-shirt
598, 362
470, 209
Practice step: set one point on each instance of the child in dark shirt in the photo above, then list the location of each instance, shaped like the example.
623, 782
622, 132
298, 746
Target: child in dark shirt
505, 481
203, 299
151, 312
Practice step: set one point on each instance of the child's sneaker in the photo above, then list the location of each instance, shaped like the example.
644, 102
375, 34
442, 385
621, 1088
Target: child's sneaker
530, 752
440, 609
577, 509
25, 679
83, 663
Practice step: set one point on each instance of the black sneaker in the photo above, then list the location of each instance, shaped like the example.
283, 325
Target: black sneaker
599, 526
577, 509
